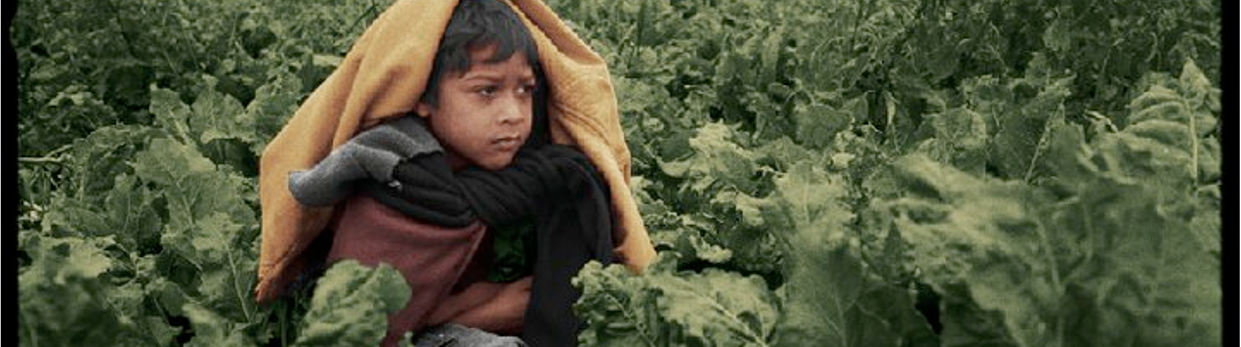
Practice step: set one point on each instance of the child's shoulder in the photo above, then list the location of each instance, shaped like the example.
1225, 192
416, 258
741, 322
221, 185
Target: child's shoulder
406, 136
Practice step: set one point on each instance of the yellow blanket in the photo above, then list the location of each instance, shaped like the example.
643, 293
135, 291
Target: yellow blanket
382, 76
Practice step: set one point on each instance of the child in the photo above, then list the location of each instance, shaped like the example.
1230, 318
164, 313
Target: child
420, 191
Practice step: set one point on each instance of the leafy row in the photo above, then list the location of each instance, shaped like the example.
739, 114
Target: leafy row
139, 224
876, 173
895, 190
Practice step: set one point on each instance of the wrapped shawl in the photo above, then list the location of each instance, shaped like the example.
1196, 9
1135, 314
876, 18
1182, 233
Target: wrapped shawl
437, 233
382, 76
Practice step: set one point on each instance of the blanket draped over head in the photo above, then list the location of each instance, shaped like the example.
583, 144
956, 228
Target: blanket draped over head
383, 75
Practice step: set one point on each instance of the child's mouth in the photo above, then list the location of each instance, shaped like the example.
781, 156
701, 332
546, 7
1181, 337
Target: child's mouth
507, 142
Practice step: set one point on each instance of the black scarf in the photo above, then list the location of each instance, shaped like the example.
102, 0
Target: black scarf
554, 186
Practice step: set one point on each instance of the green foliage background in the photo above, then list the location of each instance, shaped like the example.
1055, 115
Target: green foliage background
813, 172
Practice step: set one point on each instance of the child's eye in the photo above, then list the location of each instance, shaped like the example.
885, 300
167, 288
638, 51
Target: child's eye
526, 89
487, 91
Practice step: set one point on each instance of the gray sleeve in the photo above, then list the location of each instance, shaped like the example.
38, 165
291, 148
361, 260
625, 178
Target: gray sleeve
372, 154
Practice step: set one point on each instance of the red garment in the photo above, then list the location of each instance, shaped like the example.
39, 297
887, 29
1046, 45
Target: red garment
444, 268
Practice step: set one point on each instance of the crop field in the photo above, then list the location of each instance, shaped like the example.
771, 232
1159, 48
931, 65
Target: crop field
812, 172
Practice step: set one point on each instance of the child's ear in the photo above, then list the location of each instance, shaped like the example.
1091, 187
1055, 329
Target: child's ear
423, 109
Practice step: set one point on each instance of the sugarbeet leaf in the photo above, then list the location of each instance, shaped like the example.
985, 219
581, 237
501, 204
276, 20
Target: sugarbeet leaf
663, 307
350, 305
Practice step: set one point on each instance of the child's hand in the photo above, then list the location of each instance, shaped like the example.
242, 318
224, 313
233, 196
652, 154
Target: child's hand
495, 307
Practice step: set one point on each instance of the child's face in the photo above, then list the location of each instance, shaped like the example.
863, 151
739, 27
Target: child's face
484, 114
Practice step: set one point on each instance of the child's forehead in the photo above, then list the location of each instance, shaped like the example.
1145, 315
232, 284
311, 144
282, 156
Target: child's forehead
484, 60
487, 54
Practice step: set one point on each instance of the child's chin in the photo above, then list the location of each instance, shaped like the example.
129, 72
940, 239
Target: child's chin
495, 164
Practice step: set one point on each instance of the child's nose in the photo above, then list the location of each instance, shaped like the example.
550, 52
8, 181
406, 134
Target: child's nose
512, 112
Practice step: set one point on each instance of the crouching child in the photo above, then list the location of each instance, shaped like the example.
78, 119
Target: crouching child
445, 125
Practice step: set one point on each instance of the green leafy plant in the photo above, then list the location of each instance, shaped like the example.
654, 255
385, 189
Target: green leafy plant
838, 173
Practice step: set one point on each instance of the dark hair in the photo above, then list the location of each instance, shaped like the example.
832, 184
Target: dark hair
483, 23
